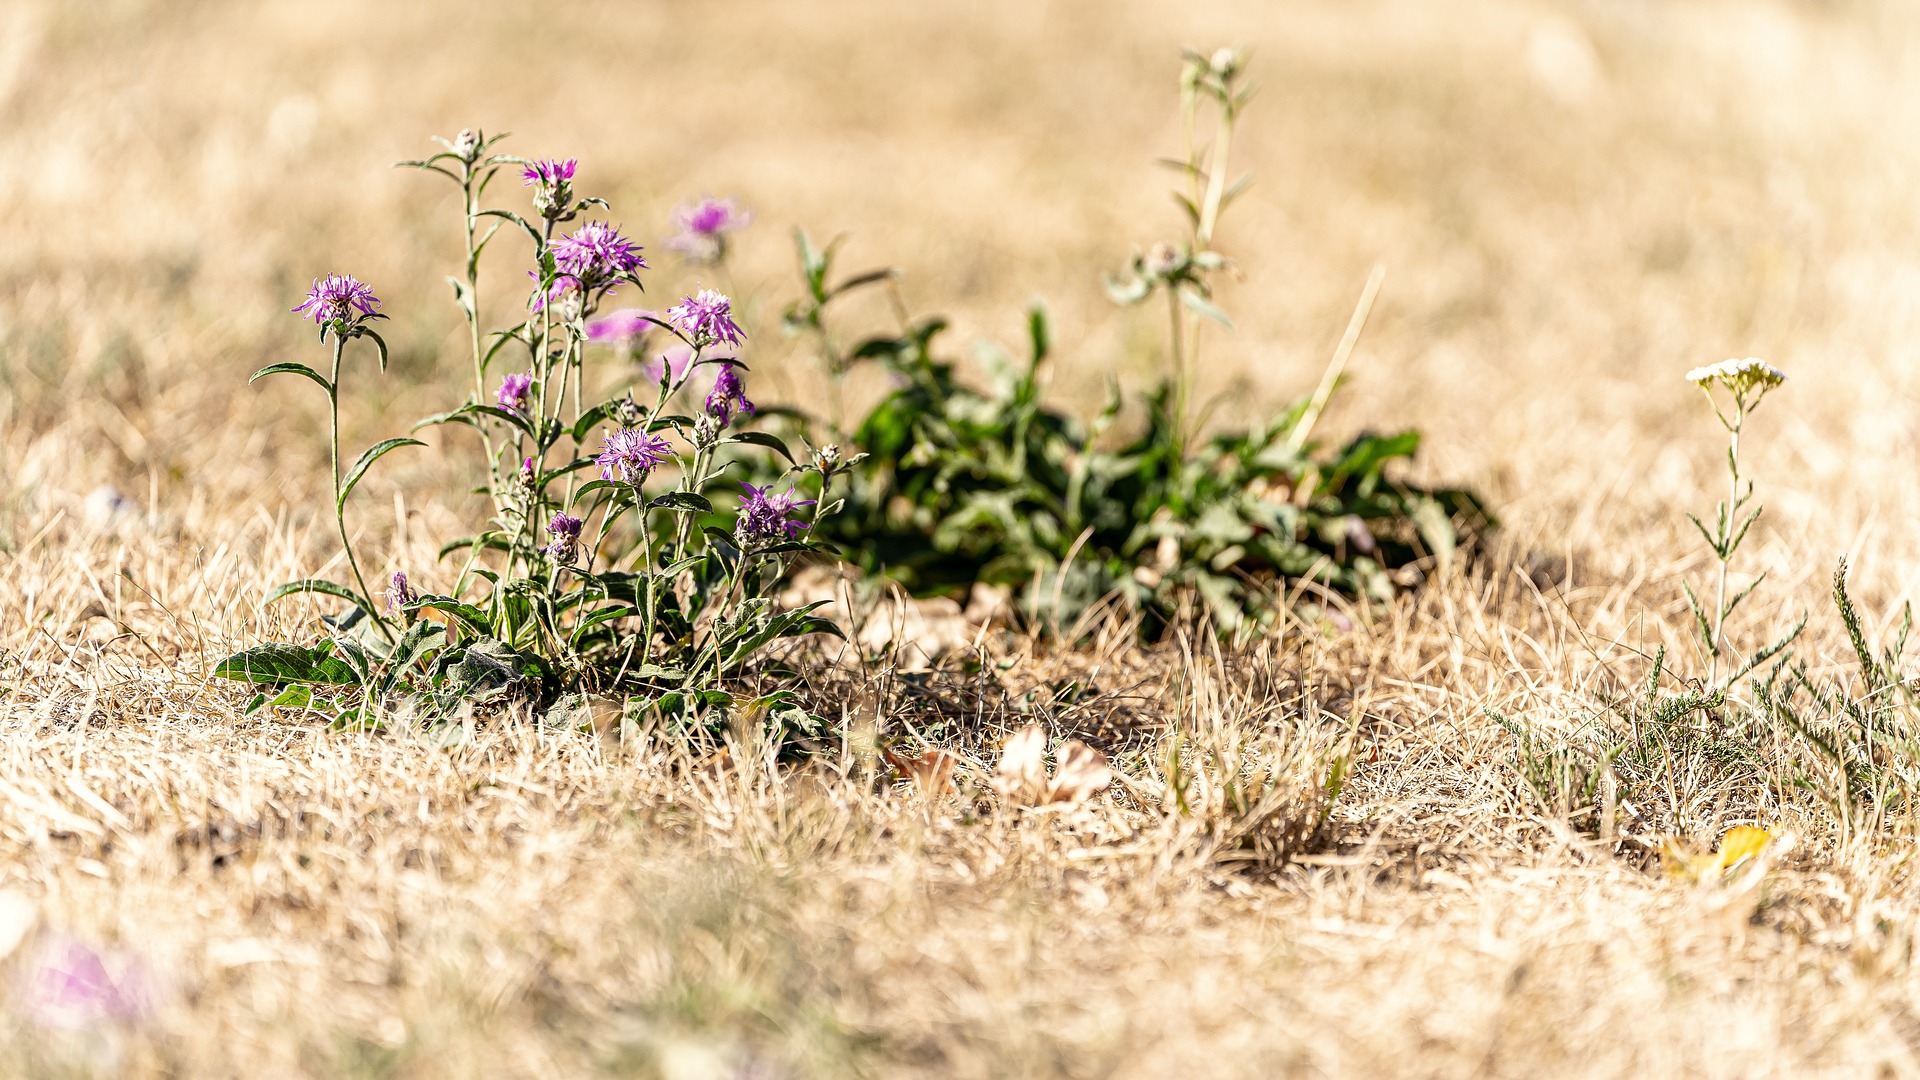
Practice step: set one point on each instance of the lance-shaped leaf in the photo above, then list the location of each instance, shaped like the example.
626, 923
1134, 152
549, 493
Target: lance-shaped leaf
312, 585
277, 663
293, 369
761, 438
373, 454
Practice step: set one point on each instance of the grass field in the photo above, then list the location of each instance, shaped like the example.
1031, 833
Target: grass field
1574, 202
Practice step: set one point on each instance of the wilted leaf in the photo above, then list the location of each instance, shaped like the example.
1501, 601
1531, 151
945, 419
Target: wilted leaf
1080, 773
1022, 775
931, 771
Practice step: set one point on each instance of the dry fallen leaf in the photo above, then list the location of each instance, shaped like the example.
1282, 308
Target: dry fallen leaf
1022, 775
1081, 772
930, 771
1745, 847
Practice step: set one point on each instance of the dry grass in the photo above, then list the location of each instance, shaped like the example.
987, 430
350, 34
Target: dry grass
1726, 179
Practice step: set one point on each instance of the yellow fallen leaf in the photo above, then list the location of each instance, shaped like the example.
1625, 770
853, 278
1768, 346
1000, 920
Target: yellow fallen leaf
1742, 843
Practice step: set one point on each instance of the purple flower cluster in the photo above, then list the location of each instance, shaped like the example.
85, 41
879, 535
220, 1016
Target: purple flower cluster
707, 318
513, 392
704, 225
339, 302
630, 454
766, 515
728, 398
565, 530
400, 592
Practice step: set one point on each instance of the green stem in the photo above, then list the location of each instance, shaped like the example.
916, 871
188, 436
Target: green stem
1727, 527
339, 504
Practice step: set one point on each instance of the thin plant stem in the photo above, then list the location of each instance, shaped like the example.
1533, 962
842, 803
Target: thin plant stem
339, 504
1726, 538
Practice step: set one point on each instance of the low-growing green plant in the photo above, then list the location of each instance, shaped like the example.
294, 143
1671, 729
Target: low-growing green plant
989, 484
606, 569
1865, 762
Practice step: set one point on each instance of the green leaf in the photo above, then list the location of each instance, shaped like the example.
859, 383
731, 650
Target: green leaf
373, 454
472, 617
682, 500
293, 369
312, 585
509, 215
378, 343
761, 438
278, 663
491, 541
1203, 307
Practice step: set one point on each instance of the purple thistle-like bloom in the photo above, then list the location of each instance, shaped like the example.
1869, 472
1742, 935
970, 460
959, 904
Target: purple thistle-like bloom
728, 397
595, 254
548, 171
624, 327
513, 391
630, 454
338, 300
400, 592
765, 515
565, 530
704, 225
706, 318
75, 987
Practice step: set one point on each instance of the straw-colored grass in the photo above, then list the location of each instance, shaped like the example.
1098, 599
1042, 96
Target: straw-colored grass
1576, 202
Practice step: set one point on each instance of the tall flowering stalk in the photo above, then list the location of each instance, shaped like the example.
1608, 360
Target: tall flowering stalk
1183, 271
341, 307
1743, 384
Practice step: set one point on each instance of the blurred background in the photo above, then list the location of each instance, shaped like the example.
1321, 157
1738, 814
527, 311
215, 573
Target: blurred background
1575, 202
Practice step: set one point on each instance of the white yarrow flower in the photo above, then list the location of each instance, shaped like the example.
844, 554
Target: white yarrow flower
1737, 375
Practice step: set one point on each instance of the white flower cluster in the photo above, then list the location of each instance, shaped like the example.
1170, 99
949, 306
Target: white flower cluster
1739, 376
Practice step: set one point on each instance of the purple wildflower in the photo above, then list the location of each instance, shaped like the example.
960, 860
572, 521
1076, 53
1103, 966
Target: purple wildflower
400, 592
76, 988
565, 530
630, 454
339, 302
704, 225
728, 397
596, 254
765, 515
528, 473
513, 391
706, 318
628, 326
548, 171
552, 183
